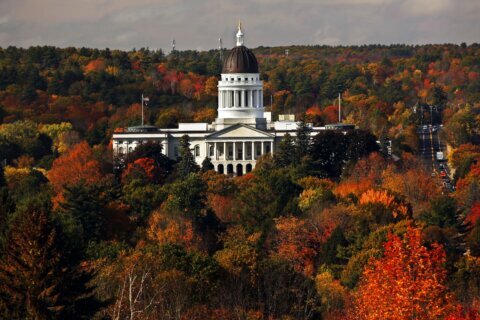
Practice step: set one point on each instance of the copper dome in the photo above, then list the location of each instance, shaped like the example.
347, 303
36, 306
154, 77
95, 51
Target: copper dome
240, 60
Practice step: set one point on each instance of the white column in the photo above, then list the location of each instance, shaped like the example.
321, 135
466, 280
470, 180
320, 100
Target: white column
253, 150
272, 146
234, 151
257, 98
235, 98
263, 148
244, 95
225, 152
215, 151
243, 151
260, 98
250, 98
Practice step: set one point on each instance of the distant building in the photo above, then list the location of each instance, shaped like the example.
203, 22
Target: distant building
241, 133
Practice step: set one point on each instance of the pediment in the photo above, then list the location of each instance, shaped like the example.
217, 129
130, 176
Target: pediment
240, 131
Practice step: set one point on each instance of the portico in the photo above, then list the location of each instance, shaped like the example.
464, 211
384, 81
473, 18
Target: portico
238, 145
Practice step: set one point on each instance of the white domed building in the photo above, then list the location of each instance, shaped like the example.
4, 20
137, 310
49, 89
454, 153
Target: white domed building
242, 131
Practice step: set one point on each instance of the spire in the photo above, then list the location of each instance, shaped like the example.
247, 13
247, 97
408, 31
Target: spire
239, 34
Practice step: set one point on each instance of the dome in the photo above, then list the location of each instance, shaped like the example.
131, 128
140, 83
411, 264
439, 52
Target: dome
240, 60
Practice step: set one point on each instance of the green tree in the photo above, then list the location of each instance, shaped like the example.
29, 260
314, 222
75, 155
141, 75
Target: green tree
186, 163
285, 153
81, 215
207, 165
303, 139
37, 278
443, 213
271, 195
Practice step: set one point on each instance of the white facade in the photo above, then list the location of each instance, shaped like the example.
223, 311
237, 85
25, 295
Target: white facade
241, 133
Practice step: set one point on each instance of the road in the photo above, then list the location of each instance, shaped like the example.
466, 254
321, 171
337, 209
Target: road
430, 144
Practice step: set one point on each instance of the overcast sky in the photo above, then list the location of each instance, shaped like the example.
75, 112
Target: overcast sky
197, 24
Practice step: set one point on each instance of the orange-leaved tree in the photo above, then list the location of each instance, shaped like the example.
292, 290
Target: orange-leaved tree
298, 242
76, 165
408, 282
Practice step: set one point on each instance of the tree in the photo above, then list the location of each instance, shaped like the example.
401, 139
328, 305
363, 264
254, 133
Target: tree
269, 196
153, 151
303, 139
408, 282
36, 280
186, 164
297, 242
328, 153
81, 214
76, 165
144, 169
207, 165
285, 153
443, 213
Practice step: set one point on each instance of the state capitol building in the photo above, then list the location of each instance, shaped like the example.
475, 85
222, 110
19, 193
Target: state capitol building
242, 131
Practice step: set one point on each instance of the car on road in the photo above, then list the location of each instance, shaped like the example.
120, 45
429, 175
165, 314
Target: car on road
425, 128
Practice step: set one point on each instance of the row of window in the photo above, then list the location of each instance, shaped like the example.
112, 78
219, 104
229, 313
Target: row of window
239, 79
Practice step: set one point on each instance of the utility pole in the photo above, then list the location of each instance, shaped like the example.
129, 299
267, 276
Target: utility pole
431, 115
339, 108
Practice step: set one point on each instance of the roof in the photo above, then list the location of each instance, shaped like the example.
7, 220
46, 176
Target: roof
240, 60
142, 128
240, 130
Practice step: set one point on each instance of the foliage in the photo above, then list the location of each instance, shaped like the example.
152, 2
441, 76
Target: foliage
408, 281
186, 163
76, 165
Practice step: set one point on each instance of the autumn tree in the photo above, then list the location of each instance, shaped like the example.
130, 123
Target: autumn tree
298, 242
408, 282
76, 165
154, 151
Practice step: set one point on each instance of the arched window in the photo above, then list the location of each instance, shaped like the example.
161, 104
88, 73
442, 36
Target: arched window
220, 168
120, 151
248, 168
211, 151
197, 150
239, 170
229, 168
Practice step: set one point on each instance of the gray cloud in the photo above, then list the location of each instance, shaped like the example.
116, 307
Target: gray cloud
197, 24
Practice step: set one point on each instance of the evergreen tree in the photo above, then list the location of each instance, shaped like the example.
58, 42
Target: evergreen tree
186, 164
36, 279
81, 215
303, 139
285, 154
207, 165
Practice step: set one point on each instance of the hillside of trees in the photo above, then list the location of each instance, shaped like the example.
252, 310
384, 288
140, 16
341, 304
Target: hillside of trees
326, 228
